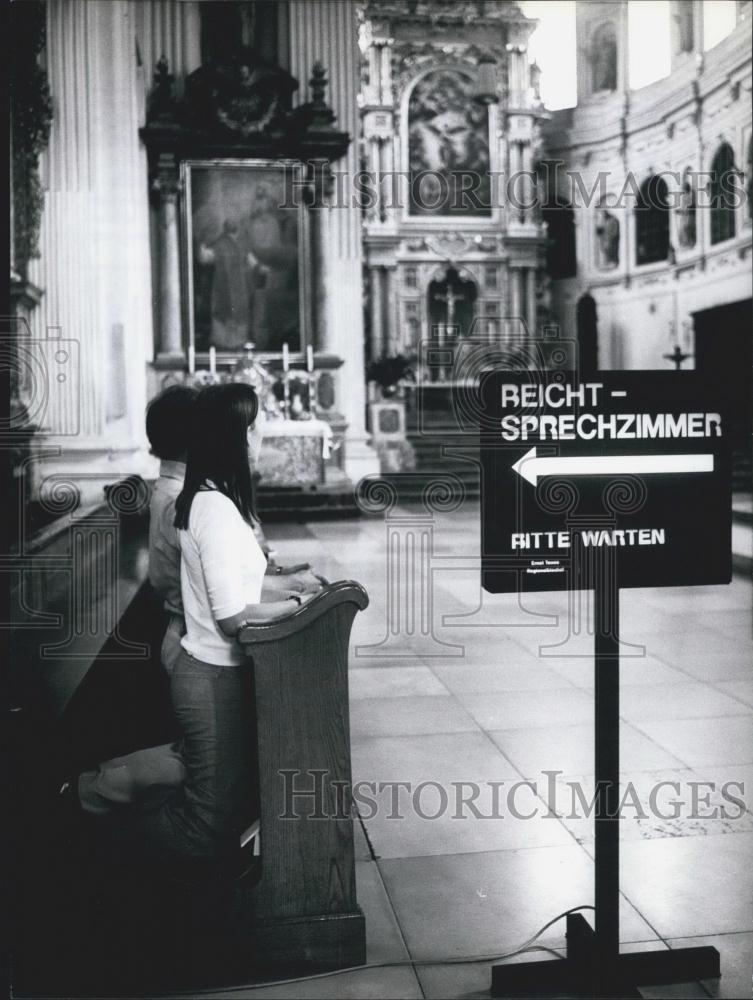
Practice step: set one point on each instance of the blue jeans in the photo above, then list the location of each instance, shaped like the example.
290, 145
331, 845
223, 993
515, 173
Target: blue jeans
140, 777
203, 820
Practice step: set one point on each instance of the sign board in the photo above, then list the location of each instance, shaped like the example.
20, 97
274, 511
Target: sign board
636, 461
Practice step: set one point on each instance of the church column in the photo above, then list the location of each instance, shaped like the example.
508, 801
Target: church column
98, 289
391, 311
328, 31
515, 303
385, 75
319, 227
170, 343
377, 321
517, 73
531, 301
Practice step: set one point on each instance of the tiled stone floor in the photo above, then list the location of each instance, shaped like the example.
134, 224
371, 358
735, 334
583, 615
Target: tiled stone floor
480, 701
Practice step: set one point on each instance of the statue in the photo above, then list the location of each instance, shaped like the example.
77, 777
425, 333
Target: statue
684, 17
608, 239
686, 227
604, 59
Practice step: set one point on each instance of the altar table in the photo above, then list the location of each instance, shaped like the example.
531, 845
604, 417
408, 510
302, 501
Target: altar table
294, 451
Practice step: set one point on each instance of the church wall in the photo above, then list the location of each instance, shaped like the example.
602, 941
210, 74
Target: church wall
673, 124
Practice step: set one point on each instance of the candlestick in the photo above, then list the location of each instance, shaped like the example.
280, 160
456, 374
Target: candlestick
191, 359
285, 358
309, 358
213, 360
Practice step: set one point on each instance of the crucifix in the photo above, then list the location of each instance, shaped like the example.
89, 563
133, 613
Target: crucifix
677, 356
450, 298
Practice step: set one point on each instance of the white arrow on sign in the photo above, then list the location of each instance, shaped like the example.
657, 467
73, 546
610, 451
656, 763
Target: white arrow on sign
530, 467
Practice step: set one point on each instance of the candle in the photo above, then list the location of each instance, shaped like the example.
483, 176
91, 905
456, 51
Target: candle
309, 358
191, 359
213, 360
285, 358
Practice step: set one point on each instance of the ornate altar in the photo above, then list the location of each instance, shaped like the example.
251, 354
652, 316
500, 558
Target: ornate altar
458, 249
237, 176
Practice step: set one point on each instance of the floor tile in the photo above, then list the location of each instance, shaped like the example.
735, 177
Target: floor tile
678, 701
443, 757
458, 795
698, 742
394, 682
384, 940
526, 709
633, 671
653, 804
737, 777
493, 902
742, 690
736, 959
570, 750
529, 675
408, 716
691, 885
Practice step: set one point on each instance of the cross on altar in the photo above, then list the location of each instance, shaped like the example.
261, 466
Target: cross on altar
450, 298
677, 356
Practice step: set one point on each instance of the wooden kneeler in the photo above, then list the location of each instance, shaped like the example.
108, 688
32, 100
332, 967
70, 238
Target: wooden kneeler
303, 912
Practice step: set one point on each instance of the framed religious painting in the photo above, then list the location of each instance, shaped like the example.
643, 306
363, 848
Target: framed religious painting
245, 255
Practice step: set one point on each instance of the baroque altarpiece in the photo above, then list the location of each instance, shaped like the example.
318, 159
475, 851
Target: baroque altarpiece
454, 242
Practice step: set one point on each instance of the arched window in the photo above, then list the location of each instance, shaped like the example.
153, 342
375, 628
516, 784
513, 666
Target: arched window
604, 58
723, 194
686, 209
652, 222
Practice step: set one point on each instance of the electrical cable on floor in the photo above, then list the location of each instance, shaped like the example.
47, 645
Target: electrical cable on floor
415, 963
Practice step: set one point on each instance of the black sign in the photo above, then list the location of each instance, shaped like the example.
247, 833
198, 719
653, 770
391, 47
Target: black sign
636, 462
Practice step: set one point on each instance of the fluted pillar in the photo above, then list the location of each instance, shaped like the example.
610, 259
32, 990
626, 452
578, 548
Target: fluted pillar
377, 321
531, 301
169, 29
327, 31
94, 263
515, 298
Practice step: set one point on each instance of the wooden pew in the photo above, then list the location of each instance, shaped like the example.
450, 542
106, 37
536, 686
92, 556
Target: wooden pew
303, 910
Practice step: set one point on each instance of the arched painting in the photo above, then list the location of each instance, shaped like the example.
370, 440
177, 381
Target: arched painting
448, 140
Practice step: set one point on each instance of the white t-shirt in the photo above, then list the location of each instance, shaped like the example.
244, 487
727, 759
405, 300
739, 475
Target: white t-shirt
221, 571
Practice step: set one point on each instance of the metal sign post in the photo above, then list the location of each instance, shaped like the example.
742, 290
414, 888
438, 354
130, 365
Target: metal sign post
581, 446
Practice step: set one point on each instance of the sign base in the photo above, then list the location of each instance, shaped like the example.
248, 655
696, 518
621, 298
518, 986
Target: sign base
584, 972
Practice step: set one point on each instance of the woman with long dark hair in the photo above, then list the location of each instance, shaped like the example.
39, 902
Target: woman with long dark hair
222, 568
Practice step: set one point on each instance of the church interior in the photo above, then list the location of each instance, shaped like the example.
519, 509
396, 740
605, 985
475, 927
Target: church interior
358, 207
